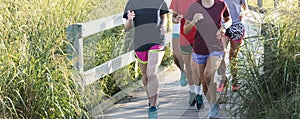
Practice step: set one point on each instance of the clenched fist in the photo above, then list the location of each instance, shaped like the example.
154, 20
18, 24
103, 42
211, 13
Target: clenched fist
197, 17
130, 15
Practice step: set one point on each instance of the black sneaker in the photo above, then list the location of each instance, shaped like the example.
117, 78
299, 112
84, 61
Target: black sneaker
192, 99
199, 102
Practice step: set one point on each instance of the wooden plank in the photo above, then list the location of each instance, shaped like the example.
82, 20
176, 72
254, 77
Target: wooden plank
92, 27
106, 68
135, 107
259, 3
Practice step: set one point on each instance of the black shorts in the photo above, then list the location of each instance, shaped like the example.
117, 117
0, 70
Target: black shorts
235, 32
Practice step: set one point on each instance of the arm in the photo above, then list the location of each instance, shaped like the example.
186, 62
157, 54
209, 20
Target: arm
164, 23
190, 24
176, 17
128, 24
245, 10
227, 23
129, 21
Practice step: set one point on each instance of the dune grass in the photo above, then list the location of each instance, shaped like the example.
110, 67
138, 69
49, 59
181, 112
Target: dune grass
271, 79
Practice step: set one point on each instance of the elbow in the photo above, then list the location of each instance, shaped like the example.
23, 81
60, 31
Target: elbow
186, 30
228, 21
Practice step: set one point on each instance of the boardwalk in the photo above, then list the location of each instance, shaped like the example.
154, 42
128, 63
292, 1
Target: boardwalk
173, 102
173, 98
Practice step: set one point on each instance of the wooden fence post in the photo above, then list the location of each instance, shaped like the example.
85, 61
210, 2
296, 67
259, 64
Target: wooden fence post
75, 48
275, 3
259, 3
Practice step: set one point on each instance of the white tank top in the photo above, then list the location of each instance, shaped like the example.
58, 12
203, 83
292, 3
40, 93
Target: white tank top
176, 28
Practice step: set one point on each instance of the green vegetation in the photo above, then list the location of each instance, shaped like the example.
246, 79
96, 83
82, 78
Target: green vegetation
268, 4
271, 77
37, 78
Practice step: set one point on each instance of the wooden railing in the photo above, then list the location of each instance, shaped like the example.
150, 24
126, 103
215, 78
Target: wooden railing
76, 33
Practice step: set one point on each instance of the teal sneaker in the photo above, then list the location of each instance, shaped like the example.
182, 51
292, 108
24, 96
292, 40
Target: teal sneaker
199, 102
192, 99
152, 112
183, 81
214, 111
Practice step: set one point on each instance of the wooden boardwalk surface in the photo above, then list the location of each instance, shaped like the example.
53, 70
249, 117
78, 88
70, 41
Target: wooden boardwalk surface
173, 100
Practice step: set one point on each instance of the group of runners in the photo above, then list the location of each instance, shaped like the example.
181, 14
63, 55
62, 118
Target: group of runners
202, 30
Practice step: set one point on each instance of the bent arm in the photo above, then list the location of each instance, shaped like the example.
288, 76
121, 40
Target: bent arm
227, 22
129, 24
188, 26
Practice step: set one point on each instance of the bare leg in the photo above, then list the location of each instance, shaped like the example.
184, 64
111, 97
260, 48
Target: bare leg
154, 60
188, 69
143, 68
176, 53
212, 64
234, 49
222, 69
196, 71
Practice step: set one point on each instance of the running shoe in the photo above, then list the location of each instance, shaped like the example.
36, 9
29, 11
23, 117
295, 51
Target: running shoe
183, 81
222, 86
192, 99
152, 112
214, 111
235, 87
199, 102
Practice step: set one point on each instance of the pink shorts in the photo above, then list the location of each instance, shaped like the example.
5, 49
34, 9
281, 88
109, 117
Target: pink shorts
142, 57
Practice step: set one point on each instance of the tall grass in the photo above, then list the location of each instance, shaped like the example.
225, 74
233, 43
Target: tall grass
36, 78
271, 79
269, 4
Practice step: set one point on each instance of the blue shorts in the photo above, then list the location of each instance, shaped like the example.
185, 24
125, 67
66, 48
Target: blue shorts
201, 59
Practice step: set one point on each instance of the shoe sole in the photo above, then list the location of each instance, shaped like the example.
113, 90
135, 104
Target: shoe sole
201, 107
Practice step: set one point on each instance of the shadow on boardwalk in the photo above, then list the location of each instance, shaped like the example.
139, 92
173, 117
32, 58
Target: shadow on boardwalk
173, 98
173, 101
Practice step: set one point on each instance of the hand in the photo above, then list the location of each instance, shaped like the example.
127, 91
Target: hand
130, 15
177, 18
220, 33
197, 17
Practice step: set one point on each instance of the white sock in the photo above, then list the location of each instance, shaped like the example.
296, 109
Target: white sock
198, 90
192, 88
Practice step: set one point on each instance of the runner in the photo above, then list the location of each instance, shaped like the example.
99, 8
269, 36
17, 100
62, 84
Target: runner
234, 35
148, 19
206, 16
180, 8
